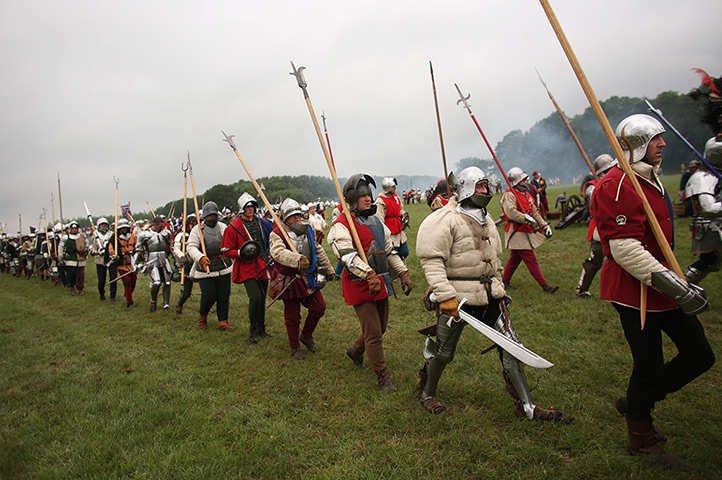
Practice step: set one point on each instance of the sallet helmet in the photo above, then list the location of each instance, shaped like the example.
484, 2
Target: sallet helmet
516, 175
245, 199
74, 224
388, 183
123, 223
603, 163
101, 220
465, 186
290, 207
713, 151
357, 186
639, 130
209, 208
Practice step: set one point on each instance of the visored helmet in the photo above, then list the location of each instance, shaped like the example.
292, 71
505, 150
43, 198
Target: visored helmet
245, 199
388, 183
357, 186
603, 163
639, 129
713, 151
516, 175
209, 208
290, 207
465, 186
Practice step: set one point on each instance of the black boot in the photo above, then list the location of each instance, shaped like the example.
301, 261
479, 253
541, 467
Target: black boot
253, 333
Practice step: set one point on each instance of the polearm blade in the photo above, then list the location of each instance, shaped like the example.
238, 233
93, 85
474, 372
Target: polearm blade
198, 213
465, 101
517, 350
441, 136
611, 138
658, 113
298, 73
569, 127
259, 190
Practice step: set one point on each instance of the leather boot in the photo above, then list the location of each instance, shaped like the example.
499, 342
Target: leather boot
262, 330
153, 306
310, 344
549, 289
253, 333
642, 442
203, 321
224, 325
385, 383
71, 289
179, 309
621, 406
358, 358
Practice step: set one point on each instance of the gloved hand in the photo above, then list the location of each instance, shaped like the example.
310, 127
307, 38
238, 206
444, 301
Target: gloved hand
303, 263
450, 307
530, 220
548, 231
330, 276
182, 260
405, 282
428, 303
374, 283
204, 261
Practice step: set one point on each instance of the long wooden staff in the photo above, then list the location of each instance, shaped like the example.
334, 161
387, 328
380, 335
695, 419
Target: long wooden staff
185, 216
20, 225
441, 136
151, 208
198, 213
569, 128
465, 100
47, 240
612, 139
232, 143
115, 225
60, 204
298, 73
52, 210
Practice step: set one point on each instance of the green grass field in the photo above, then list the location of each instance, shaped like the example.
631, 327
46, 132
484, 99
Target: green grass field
93, 390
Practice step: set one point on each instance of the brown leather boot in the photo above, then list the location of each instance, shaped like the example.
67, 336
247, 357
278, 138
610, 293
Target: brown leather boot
358, 358
550, 289
385, 383
224, 325
203, 322
621, 406
642, 442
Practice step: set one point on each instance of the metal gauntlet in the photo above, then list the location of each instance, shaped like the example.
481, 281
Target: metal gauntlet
689, 297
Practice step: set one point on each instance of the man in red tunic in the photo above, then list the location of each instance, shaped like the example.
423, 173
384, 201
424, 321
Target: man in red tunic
366, 286
250, 270
635, 261
390, 210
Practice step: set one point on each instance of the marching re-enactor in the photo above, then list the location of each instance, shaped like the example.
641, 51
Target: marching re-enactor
390, 210
361, 285
299, 272
459, 248
635, 261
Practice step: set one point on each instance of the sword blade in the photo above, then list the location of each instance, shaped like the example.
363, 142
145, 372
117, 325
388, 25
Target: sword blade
519, 351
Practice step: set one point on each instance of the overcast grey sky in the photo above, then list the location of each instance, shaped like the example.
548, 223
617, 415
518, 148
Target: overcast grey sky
93, 89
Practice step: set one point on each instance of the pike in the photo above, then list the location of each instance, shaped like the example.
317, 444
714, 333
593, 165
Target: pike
20, 224
328, 141
569, 127
52, 210
232, 143
115, 225
658, 113
151, 208
60, 204
612, 139
185, 216
518, 350
298, 73
465, 101
198, 213
441, 136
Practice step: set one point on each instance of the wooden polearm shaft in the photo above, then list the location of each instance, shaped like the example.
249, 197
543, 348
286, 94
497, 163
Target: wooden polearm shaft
198, 213
232, 143
612, 139
298, 73
569, 128
184, 242
115, 225
20, 225
60, 204
465, 101
151, 208
52, 210
328, 140
441, 135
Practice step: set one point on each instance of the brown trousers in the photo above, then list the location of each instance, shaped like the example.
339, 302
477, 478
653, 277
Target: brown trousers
374, 317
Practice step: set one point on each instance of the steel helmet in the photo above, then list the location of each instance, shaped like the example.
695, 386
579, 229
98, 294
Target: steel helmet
290, 207
357, 186
101, 220
465, 186
713, 151
245, 199
516, 175
639, 129
210, 208
123, 223
603, 163
388, 183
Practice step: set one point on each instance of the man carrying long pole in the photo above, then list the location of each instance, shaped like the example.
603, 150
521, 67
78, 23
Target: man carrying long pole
634, 223
363, 243
441, 136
